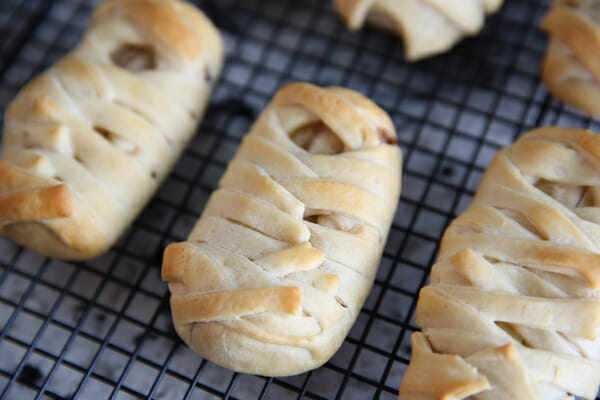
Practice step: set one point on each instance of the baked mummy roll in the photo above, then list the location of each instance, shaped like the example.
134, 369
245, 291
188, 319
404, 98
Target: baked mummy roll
571, 68
513, 308
427, 27
87, 142
275, 271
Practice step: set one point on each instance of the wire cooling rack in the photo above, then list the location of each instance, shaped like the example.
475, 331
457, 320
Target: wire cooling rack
101, 329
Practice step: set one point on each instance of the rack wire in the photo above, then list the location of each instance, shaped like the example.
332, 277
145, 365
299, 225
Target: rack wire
102, 328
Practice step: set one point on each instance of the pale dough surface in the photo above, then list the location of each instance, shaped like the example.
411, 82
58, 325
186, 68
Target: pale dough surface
571, 68
278, 266
427, 27
87, 142
513, 307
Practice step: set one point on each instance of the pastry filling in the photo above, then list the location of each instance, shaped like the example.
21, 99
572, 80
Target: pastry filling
317, 138
336, 221
134, 57
117, 141
570, 196
386, 136
521, 220
587, 198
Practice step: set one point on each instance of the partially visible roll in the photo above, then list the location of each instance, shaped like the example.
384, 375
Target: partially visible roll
428, 27
513, 308
87, 143
278, 266
571, 68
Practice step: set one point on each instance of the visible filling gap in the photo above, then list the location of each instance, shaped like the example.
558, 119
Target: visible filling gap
568, 195
522, 220
337, 221
317, 138
587, 198
117, 141
386, 136
134, 57
512, 332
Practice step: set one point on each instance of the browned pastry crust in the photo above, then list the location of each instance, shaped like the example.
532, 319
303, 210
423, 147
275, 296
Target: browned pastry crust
86, 143
427, 27
513, 309
571, 68
275, 271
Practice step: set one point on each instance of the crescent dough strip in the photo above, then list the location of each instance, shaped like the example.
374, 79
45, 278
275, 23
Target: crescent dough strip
25, 196
35, 204
428, 27
86, 143
571, 68
439, 376
235, 303
279, 264
302, 257
503, 366
514, 294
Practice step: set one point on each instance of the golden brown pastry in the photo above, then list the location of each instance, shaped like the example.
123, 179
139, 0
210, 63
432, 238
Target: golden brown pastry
513, 308
87, 142
571, 68
275, 271
427, 27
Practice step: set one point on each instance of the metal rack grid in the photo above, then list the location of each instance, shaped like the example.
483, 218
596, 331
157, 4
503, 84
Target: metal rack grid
101, 329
